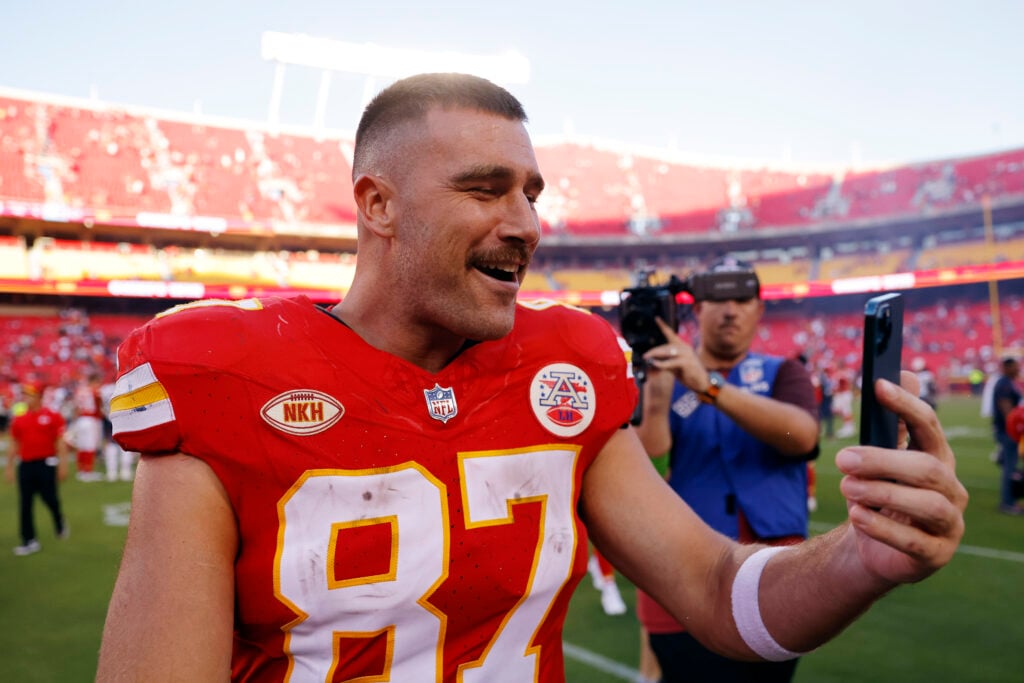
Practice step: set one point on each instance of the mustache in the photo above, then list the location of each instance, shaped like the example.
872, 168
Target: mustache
509, 253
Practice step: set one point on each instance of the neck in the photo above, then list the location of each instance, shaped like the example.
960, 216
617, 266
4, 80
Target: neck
719, 362
398, 335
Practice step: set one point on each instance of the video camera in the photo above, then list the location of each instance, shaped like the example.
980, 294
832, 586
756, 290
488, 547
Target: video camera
641, 304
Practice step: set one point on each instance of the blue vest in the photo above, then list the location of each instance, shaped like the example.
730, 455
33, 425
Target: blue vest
717, 468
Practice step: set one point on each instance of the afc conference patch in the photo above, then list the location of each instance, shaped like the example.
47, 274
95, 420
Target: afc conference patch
562, 399
441, 403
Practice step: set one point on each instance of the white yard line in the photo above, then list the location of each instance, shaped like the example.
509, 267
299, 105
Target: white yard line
599, 662
975, 550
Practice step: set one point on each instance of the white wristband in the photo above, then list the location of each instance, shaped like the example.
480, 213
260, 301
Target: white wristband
746, 608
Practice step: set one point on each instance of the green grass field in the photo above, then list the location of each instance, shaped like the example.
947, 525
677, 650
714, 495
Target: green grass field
964, 624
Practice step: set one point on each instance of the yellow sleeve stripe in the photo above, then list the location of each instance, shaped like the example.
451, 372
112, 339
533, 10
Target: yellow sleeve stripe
139, 401
139, 398
132, 381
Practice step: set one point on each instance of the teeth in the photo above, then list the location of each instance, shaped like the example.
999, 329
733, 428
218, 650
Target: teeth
504, 267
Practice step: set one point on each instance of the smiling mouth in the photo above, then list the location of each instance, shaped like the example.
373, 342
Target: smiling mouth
504, 273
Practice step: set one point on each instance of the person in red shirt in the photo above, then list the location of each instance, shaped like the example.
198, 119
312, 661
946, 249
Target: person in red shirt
37, 441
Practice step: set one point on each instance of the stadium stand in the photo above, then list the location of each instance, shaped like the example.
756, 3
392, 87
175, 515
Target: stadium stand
855, 265
59, 346
101, 158
94, 192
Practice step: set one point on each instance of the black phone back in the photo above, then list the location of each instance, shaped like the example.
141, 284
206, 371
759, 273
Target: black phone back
883, 346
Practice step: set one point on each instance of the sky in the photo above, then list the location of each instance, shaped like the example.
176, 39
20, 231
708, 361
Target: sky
806, 84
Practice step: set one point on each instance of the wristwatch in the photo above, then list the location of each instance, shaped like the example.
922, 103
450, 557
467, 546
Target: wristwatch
715, 384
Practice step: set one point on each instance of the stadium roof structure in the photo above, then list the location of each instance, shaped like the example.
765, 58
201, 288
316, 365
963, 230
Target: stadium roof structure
376, 61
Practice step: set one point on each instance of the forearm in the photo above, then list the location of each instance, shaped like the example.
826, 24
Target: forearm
653, 429
787, 428
63, 451
809, 593
804, 596
12, 456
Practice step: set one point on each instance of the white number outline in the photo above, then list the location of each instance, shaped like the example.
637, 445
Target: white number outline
368, 476
559, 499
517, 632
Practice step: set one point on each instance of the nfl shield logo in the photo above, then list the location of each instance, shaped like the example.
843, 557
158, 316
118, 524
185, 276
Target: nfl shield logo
441, 403
751, 371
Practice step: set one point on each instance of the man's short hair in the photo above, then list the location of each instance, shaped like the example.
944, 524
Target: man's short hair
411, 98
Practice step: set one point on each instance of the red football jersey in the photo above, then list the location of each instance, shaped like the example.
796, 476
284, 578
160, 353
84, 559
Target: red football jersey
394, 524
87, 401
37, 432
1015, 423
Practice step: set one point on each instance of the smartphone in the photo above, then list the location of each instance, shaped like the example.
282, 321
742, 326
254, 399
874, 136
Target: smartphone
883, 346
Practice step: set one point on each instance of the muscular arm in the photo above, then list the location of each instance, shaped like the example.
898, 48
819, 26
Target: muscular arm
171, 614
905, 521
13, 453
787, 427
651, 536
1004, 404
653, 430
63, 456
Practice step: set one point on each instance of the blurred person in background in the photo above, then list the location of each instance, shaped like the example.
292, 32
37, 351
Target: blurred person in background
37, 441
740, 428
602, 575
928, 390
5, 414
118, 463
1006, 396
1015, 428
827, 388
86, 431
842, 400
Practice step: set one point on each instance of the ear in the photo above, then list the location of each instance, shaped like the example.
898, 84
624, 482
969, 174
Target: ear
374, 203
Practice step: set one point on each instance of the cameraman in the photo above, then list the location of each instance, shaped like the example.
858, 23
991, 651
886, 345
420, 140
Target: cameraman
740, 428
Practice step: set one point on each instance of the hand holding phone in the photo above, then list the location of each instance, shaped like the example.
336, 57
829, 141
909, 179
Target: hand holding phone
883, 346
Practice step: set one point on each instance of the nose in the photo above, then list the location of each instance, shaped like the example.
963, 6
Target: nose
520, 221
730, 306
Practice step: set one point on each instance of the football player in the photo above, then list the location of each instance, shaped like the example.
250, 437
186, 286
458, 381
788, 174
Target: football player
402, 487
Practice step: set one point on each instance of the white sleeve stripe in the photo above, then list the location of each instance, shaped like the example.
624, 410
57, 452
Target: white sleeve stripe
134, 379
143, 417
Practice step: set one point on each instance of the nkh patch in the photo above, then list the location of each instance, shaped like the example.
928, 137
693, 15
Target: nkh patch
302, 411
441, 404
562, 398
